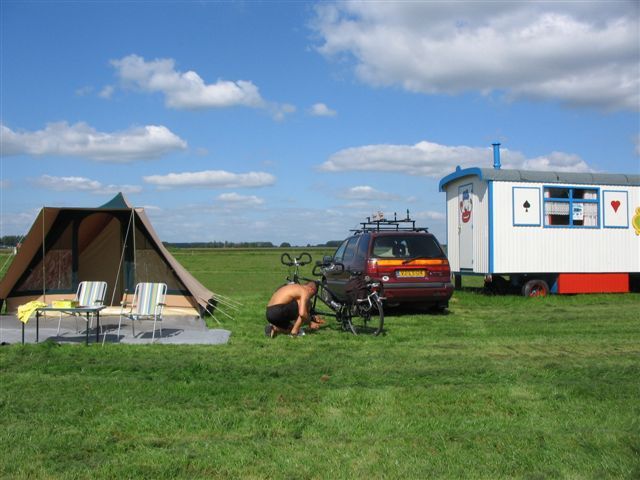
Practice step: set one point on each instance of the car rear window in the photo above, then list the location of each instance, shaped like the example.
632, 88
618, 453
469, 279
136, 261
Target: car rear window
410, 246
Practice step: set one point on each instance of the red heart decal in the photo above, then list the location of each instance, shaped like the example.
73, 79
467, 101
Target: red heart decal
615, 204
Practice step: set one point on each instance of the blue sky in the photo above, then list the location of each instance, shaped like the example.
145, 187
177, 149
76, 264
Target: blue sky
292, 121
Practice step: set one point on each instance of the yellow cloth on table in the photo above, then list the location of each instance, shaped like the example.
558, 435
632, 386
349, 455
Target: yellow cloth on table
25, 311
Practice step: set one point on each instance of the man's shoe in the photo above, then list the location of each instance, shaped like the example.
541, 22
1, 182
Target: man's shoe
269, 330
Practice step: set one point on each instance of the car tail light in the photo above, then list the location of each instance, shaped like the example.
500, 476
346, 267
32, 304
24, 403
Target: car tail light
441, 270
372, 267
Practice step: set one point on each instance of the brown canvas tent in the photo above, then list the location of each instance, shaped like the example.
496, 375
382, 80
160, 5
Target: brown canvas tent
114, 243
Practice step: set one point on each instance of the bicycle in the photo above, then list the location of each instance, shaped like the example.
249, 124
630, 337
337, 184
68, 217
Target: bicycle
361, 312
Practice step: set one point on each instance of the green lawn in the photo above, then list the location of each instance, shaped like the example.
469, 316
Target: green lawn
501, 387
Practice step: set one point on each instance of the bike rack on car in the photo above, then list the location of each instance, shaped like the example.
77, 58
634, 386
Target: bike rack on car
381, 224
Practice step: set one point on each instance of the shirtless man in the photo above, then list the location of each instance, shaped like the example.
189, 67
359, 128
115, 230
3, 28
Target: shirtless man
288, 309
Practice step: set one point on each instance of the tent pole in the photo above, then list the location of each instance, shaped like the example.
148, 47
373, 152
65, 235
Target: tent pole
135, 265
124, 249
210, 312
44, 269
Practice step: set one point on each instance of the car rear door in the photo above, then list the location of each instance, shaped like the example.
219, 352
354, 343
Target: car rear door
338, 277
359, 262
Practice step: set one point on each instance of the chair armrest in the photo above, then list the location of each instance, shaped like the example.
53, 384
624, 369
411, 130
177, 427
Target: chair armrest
159, 308
123, 301
126, 307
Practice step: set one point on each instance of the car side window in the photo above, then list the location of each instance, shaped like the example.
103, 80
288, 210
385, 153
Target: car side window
363, 248
350, 249
337, 257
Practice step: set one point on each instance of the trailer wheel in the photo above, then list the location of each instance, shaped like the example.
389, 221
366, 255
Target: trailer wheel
535, 288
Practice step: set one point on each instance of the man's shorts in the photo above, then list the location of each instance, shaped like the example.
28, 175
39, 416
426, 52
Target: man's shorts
282, 315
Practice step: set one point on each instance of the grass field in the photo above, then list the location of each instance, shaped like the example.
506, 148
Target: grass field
500, 387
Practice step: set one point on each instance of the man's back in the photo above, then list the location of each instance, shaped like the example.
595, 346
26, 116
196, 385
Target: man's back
286, 294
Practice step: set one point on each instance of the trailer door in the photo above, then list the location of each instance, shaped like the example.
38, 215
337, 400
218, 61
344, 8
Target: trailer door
465, 226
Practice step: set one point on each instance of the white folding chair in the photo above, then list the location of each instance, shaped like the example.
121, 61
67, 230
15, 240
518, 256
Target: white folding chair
147, 304
89, 294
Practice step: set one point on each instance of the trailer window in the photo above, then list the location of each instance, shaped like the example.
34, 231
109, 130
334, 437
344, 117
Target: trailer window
571, 207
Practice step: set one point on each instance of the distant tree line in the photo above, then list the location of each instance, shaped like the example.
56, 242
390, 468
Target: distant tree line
333, 243
10, 240
220, 244
13, 240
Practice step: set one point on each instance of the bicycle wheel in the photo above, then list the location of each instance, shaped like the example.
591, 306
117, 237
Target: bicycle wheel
320, 309
369, 319
345, 318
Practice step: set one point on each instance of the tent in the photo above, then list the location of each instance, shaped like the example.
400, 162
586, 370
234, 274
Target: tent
114, 243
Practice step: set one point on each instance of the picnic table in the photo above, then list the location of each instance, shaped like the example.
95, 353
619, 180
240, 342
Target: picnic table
80, 311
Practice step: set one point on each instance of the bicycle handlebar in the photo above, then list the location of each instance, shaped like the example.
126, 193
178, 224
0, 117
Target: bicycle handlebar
303, 259
317, 268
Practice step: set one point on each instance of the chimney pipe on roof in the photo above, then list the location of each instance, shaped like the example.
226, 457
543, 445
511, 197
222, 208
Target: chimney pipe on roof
496, 156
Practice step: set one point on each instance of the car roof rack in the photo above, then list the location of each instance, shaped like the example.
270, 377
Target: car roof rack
381, 224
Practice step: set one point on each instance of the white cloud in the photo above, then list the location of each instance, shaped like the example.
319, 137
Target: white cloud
81, 140
106, 92
280, 111
152, 208
17, 223
556, 161
84, 91
185, 90
321, 110
580, 53
429, 215
212, 179
433, 160
236, 200
365, 192
238, 223
82, 184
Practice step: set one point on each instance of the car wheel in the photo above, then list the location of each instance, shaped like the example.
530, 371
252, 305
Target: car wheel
440, 308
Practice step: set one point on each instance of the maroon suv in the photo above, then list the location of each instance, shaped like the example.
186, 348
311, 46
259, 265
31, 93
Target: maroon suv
408, 261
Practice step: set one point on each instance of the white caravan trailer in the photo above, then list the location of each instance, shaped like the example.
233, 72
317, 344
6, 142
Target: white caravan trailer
546, 231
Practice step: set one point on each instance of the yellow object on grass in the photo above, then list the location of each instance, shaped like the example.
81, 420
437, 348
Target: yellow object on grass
25, 311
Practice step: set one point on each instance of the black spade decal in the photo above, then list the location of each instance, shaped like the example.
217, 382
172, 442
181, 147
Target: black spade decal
526, 205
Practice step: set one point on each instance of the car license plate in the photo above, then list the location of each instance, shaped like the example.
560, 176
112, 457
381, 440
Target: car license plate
410, 273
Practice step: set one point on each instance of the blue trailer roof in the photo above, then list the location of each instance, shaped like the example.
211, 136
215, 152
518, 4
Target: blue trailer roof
505, 175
